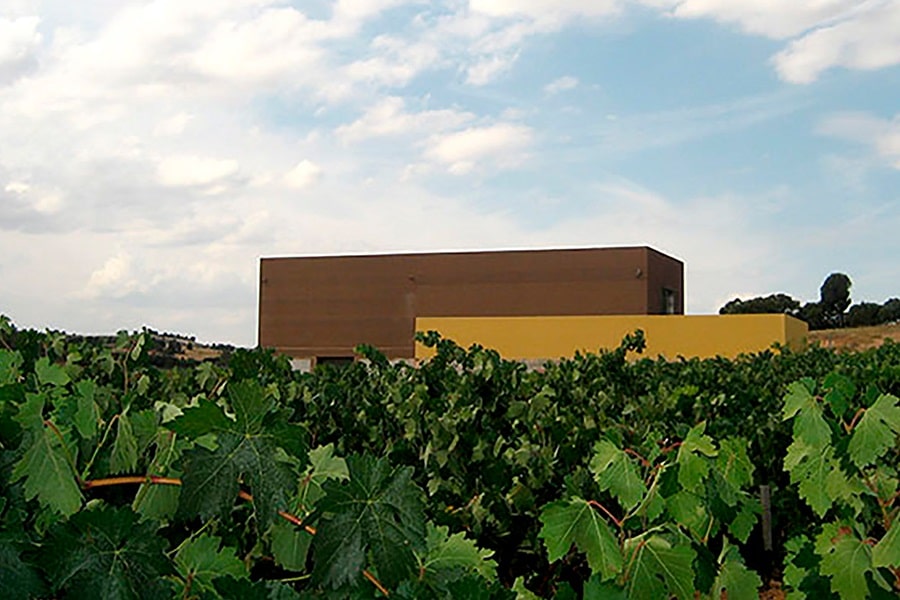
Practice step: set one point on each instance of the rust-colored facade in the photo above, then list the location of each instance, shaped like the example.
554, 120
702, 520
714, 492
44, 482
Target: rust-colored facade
313, 307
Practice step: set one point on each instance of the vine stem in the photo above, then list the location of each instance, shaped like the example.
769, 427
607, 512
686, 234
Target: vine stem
883, 505
644, 461
670, 447
855, 420
131, 479
375, 582
293, 519
596, 504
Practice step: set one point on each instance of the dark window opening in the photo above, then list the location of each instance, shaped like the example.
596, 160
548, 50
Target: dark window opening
668, 301
334, 361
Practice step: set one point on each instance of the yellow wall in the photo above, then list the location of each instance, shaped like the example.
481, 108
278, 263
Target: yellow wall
667, 335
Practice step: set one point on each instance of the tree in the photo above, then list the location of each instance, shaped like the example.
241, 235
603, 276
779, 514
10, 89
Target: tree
889, 311
835, 298
773, 304
863, 314
812, 313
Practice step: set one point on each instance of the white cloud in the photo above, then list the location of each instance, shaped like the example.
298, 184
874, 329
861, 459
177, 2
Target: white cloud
37, 199
503, 145
393, 62
487, 69
881, 135
364, 9
567, 82
305, 174
114, 278
277, 43
17, 187
389, 117
195, 171
551, 13
867, 41
19, 42
174, 125
855, 34
771, 18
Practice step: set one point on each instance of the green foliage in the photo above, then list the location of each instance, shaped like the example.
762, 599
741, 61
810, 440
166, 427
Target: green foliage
848, 470
201, 560
377, 515
835, 297
44, 465
18, 579
575, 522
601, 476
254, 447
104, 553
772, 304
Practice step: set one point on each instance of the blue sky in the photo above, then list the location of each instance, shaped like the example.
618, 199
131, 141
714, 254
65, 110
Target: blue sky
153, 151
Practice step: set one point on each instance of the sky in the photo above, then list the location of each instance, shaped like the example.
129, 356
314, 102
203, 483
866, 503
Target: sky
152, 151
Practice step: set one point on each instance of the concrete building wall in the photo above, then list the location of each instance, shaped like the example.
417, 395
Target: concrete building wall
535, 338
326, 306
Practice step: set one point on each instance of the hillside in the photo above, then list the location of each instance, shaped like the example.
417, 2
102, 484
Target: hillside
858, 338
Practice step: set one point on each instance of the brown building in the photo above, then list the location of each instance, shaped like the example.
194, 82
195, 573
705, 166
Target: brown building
323, 307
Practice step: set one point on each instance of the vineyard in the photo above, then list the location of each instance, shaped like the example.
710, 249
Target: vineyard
468, 476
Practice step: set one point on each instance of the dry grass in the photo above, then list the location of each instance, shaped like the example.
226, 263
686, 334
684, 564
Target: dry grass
858, 338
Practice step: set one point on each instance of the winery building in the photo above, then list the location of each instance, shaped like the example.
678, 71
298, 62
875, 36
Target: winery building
528, 304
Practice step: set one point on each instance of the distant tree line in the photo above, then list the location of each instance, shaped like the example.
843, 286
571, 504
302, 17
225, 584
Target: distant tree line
833, 310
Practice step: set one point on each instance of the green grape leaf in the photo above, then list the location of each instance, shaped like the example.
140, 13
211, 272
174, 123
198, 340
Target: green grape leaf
876, 432
734, 580
250, 404
688, 511
379, 510
472, 587
693, 457
445, 551
596, 589
325, 465
657, 569
145, 425
819, 477
796, 569
87, 416
195, 421
810, 426
104, 553
50, 374
125, 449
160, 501
840, 390
138, 347
886, 553
44, 466
229, 588
200, 560
18, 580
615, 471
798, 396
745, 520
846, 560
210, 480
10, 363
248, 449
522, 592
576, 522
733, 463
290, 545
